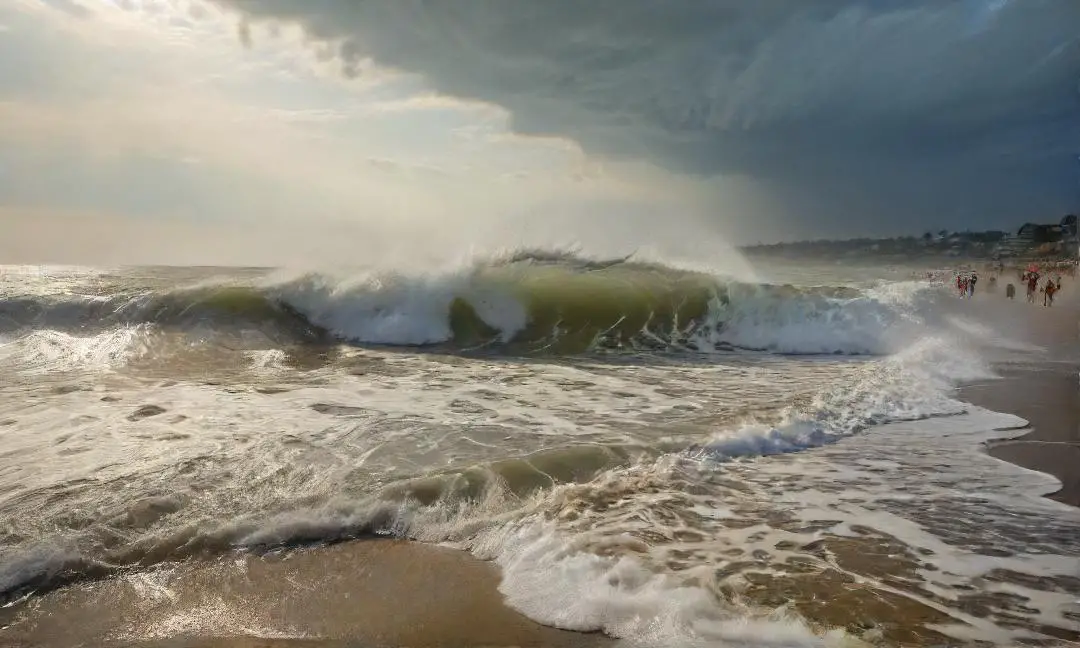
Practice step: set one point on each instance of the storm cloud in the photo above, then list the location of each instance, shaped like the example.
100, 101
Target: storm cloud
845, 112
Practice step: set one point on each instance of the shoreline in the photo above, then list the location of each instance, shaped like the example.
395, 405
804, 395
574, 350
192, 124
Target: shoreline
379, 592
1047, 396
1040, 386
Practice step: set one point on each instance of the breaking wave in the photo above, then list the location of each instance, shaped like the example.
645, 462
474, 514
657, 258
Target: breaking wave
528, 302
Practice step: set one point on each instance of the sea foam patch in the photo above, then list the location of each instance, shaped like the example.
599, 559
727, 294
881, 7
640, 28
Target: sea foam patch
49, 351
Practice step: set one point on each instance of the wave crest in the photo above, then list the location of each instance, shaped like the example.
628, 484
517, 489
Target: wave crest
528, 302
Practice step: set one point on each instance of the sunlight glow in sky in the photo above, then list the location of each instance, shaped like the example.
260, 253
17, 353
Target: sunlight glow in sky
148, 117
274, 131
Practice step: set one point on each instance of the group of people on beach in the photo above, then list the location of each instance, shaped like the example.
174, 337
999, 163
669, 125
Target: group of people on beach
965, 284
1032, 279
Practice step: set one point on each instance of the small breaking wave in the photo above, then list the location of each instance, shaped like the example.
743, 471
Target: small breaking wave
911, 385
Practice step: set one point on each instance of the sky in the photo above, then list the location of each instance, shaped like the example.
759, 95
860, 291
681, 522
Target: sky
318, 131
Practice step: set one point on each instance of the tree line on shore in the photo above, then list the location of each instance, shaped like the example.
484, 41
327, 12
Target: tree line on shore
989, 244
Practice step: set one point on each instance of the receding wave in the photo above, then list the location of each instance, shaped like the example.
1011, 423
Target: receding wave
528, 302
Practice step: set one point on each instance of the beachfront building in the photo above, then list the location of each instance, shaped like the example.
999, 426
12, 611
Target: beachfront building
1040, 239
1071, 235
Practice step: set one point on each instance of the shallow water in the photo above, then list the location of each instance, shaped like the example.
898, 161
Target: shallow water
787, 468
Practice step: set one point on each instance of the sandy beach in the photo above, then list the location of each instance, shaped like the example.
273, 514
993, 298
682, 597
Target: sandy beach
1049, 399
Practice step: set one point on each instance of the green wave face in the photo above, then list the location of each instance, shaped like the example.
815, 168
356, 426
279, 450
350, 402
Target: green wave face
569, 307
570, 311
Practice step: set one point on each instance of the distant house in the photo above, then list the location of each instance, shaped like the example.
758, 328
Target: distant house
1070, 235
1038, 234
1068, 226
1036, 238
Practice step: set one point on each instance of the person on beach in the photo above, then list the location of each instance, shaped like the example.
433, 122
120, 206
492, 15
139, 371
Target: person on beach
1032, 286
1010, 291
1048, 293
971, 285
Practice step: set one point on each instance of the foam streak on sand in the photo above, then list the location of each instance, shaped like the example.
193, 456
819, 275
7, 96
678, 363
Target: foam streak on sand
550, 580
662, 455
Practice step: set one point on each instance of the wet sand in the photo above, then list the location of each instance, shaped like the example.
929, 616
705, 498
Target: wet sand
1048, 397
1046, 392
363, 593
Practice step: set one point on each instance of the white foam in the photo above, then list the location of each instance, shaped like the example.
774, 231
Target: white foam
907, 386
556, 583
761, 317
48, 351
928, 485
399, 309
597, 573
270, 360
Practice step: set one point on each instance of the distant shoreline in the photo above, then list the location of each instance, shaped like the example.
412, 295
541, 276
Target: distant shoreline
989, 246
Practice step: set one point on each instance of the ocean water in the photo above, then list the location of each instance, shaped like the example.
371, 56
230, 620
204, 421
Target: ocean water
663, 454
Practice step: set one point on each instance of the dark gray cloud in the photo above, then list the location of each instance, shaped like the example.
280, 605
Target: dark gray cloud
854, 115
